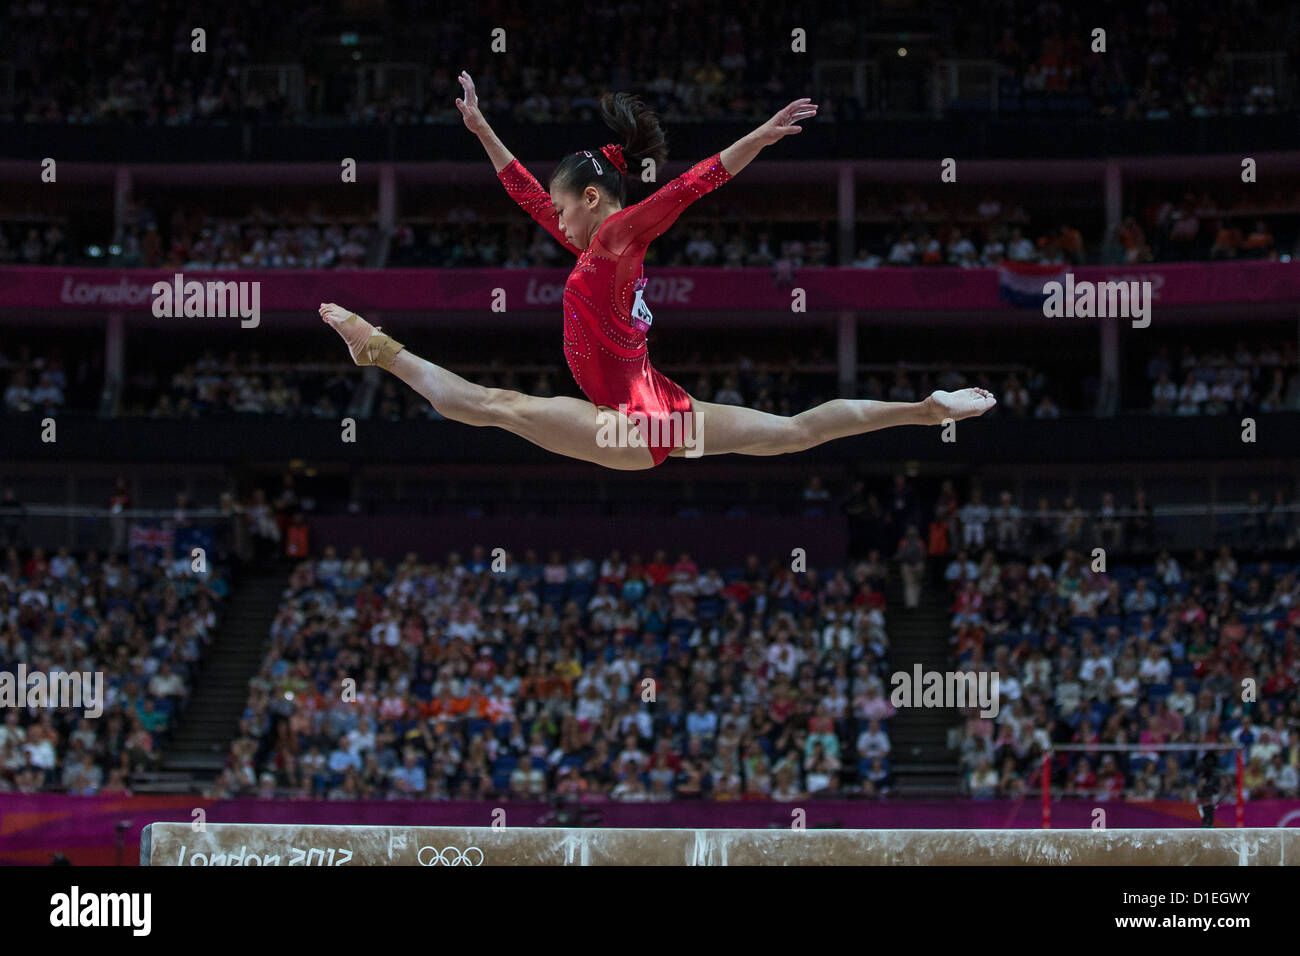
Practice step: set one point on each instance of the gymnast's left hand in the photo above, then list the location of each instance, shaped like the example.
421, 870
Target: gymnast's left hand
785, 123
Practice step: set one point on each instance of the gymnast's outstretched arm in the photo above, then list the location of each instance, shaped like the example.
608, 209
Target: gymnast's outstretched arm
650, 218
477, 124
522, 186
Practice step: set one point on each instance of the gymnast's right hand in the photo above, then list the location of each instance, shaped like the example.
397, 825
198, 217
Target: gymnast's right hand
468, 106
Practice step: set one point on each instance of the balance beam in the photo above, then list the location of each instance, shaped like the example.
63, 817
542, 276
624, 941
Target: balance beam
251, 844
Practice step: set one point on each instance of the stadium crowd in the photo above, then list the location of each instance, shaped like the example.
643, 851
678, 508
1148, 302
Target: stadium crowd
33, 383
659, 680
1145, 654
1265, 378
111, 70
533, 681
33, 240
1157, 654
920, 228
1267, 520
765, 684
195, 240
1161, 59
257, 384
1250, 375
143, 624
919, 238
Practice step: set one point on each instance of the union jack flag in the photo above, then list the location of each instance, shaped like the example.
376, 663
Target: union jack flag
146, 536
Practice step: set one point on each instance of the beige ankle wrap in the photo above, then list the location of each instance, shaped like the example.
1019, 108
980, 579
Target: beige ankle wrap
380, 349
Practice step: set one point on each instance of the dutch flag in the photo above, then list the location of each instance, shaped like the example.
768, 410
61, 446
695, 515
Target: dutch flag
1020, 284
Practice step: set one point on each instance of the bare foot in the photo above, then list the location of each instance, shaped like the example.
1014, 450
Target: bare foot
356, 332
963, 403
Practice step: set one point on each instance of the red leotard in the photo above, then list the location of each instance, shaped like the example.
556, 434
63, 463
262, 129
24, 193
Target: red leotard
606, 353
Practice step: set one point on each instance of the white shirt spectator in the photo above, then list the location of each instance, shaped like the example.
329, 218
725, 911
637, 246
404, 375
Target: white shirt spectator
387, 633
589, 708
359, 741
41, 753
18, 397
1155, 671
701, 249
782, 657
873, 746
166, 685
1068, 696
623, 669
901, 253
1021, 250
1286, 778
974, 516
1194, 392
1094, 668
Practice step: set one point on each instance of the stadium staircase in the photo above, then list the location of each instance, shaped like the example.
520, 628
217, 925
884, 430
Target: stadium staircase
920, 761
198, 749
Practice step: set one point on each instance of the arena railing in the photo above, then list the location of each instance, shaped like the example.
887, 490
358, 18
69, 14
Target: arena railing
84, 527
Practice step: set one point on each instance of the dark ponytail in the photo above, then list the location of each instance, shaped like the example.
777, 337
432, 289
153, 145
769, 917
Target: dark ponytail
636, 128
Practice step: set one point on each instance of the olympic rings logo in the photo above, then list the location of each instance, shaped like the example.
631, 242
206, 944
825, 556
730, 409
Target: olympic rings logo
443, 858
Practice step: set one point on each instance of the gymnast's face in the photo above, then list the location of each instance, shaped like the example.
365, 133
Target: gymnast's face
580, 213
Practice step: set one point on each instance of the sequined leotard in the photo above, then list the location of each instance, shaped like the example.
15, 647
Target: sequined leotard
606, 353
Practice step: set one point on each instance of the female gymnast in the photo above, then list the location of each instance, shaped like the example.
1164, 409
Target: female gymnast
605, 319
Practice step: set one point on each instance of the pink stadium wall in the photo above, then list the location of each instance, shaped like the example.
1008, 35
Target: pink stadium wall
33, 827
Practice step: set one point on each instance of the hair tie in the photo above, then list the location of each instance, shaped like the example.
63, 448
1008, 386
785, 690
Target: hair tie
614, 153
